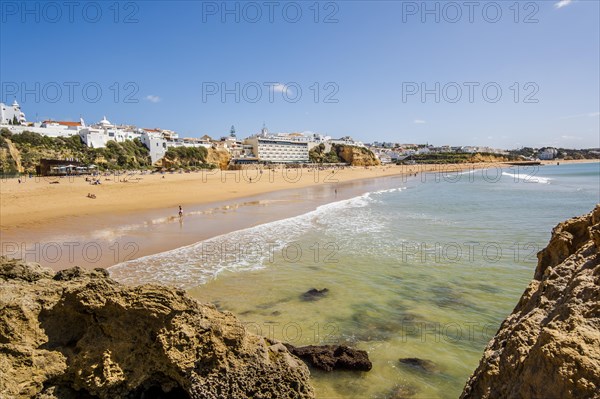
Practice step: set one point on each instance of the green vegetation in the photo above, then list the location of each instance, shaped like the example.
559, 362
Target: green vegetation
318, 155
563, 153
187, 156
31, 147
451, 158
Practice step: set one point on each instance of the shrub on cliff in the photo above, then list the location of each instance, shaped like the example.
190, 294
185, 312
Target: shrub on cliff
31, 147
187, 156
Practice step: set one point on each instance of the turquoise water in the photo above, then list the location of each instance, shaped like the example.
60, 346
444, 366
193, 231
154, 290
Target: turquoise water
424, 268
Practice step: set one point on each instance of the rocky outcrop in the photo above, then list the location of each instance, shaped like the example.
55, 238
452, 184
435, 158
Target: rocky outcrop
79, 334
333, 357
357, 156
217, 157
488, 158
549, 347
10, 158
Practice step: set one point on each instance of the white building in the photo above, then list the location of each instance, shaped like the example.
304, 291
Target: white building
547, 154
276, 150
156, 144
347, 140
97, 135
48, 128
11, 113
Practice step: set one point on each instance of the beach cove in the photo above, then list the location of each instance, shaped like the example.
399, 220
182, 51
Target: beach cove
419, 267
413, 269
135, 214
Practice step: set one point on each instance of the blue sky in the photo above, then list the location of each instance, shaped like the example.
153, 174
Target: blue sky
357, 68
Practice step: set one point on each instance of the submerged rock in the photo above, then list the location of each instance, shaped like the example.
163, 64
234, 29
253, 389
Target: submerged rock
79, 334
549, 347
333, 357
401, 392
420, 364
314, 294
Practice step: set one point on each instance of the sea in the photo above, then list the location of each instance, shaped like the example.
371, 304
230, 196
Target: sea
423, 267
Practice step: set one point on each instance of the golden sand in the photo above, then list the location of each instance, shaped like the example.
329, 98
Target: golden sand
38, 201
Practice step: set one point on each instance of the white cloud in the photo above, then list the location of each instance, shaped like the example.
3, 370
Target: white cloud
562, 3
281, 88
419, 121
152, 98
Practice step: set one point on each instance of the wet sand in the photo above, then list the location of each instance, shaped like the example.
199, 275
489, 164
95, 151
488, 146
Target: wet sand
136, 215
91, 241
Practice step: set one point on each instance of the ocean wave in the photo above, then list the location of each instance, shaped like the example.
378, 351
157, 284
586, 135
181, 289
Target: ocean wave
244, 250
528, 178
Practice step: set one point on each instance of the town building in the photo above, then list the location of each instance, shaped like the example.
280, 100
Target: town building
547, 154
156, 145
9, 114
277, 150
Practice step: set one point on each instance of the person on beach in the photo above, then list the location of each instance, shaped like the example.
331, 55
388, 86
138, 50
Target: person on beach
180, 211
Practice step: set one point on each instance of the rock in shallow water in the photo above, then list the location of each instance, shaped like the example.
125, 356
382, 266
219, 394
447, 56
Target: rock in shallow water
314, 294
420, 364
79, 332
333, 357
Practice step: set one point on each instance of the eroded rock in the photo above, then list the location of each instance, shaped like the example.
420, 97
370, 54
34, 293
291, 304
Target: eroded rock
78, 333
333, 357
549, 347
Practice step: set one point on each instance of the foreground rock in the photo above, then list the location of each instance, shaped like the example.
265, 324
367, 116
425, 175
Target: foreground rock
332, 357
78, 333
549, 347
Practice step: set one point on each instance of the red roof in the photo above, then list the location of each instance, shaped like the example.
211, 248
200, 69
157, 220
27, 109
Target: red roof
65, 123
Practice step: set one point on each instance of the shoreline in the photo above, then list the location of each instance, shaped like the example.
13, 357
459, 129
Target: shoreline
129, 235
130, 232
37, 202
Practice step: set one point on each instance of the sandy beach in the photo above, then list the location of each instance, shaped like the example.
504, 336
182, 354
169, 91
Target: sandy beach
40, 201
135, 215
37, 201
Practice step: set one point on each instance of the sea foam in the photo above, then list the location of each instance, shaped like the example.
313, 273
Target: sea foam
247, 249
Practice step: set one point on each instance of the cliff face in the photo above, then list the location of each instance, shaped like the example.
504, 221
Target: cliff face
220, 158
487, 158
357, 156
78, 333
549, 347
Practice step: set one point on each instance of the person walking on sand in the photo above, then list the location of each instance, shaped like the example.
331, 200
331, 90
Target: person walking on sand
180, 211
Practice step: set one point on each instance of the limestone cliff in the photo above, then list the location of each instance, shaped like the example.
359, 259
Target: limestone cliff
549, 347
487, 158
357, 156
79, 334
217, 157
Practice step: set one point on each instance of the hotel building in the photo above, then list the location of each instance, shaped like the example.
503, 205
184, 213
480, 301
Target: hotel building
275, 150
